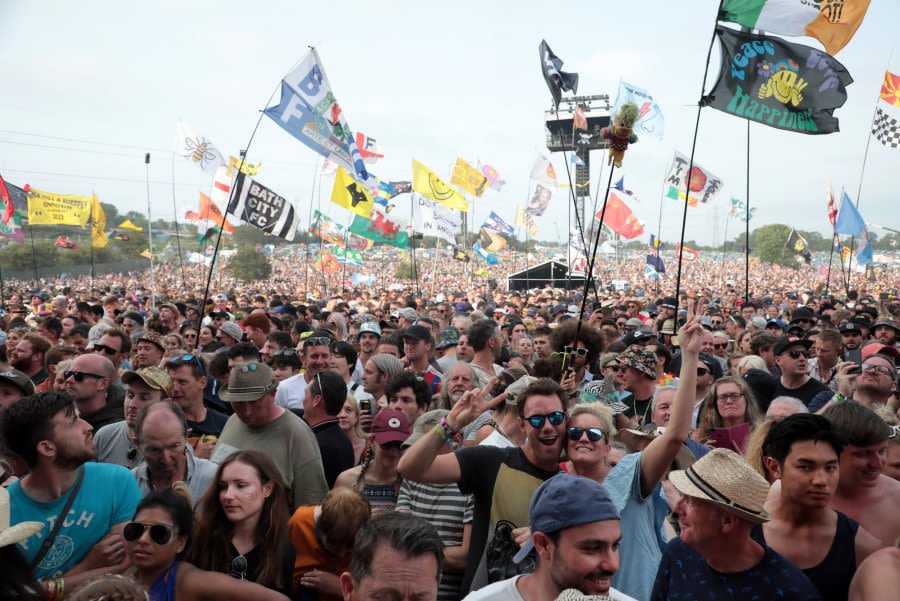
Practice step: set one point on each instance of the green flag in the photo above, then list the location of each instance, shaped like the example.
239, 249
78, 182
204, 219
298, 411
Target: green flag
379, 229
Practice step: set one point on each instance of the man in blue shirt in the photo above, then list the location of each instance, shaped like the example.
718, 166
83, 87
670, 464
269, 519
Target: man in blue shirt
45, 430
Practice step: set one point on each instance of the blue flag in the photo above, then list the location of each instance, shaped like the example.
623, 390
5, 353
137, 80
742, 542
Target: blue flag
650, 121
309, 111
496, 223
850, 223
651, 273
489, 258
656, 263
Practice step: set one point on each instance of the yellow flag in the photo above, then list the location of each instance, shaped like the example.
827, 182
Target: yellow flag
250, 169
468, 178
427, 183
98, 224
348, 193
46, 208
128, 225
525, 220
146, 254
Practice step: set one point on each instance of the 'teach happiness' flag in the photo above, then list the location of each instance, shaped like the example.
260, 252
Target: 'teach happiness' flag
776, 83
650, 121
309, 111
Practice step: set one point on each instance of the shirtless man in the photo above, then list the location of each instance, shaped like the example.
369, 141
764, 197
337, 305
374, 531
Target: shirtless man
803, 452
863, 492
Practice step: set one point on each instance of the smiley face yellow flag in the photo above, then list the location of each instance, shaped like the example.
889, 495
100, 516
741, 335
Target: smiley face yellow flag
426, 183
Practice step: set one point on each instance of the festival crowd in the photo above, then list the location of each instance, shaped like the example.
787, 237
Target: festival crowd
306, 439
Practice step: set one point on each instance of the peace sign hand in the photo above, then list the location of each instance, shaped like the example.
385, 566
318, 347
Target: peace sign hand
472, 404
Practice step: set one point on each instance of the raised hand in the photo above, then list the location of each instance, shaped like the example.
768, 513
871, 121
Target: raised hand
472, 404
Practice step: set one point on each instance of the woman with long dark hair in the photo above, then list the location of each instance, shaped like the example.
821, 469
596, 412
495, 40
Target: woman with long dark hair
242, 523
155, 541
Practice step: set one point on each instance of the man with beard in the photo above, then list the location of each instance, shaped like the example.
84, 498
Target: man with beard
28, 358
885, 331
802, 451
501, 479
368, 338
872, 387
576, 534
851, 334
791, 355
83, 505
578, 356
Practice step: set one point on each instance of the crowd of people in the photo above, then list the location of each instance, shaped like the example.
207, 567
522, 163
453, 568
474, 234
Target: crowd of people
303, 438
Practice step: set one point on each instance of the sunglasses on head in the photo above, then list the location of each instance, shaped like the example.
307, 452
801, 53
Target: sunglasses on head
159, 533
287, 352
318, 341
537, 421
593, 434
186, 359
106, 350
795, 354
79, 376
581, 352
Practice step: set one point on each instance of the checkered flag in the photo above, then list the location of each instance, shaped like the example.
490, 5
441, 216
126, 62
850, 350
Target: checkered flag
886, 129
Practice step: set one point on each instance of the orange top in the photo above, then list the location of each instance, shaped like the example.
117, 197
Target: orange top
309, 552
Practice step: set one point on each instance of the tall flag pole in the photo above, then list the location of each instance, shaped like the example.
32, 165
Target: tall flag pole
150, 234
832, 216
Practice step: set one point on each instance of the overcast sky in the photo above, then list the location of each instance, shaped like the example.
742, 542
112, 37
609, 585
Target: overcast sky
90, 86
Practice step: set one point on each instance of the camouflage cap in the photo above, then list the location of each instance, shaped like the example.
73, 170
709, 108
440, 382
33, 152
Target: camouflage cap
640, 358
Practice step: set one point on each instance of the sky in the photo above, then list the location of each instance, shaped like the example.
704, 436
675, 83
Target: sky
91, 86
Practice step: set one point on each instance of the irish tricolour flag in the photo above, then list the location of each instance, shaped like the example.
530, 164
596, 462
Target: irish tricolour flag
832, 22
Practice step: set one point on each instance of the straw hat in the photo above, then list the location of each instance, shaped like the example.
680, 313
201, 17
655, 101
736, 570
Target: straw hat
632, 438
10, 535
723, 478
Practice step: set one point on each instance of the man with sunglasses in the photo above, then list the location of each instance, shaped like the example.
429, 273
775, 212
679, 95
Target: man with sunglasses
873, 386
89, 381
502, 480
189, 378
791, 356
45, 430
115, 345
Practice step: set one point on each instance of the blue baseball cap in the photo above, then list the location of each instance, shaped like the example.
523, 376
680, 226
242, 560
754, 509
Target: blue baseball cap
371, 327
565, 501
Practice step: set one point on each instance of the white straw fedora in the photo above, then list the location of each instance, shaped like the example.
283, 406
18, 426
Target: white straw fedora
10, 535
723, 478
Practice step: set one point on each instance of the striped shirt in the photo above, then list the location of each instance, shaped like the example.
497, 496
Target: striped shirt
448, 509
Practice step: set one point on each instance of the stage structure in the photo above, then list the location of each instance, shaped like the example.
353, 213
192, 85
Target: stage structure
554, 273
560, 138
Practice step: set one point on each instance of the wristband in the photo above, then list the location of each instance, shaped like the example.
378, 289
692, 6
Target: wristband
838, 398
446, 429
442, 435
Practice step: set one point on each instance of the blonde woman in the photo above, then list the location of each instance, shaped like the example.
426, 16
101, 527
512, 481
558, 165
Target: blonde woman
588, 440
348, 418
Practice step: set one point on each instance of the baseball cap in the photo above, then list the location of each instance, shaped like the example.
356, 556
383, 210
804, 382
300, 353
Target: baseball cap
248, 382
408, 313
417, 332
18, 379
848, 327
232, 329
785, 342
390, 426
565, 501
876, 348
155, 377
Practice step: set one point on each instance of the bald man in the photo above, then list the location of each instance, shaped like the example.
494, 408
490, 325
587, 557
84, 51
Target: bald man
89, 380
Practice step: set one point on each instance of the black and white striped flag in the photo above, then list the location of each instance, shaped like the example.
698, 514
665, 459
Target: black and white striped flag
886, 129
263, 208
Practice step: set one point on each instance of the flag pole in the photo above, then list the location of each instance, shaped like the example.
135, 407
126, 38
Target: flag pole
312, 192
33, 253
92, 244
724, 248
687, 191
859, 192
177, 236
659, 227
747, 225
830, 260
149, 233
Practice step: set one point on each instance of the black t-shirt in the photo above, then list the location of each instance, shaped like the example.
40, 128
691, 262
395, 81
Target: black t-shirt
336, 449
211, 425
805, 393
502, 482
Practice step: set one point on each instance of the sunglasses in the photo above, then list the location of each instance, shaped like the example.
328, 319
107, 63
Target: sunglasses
702, 371
239, 567
79, 376
614, 367
537, 421
318, 341
159, 533
798, 354
593, 434
289, 352
186, 359
185, 335
106, 350
721, 346
895, 431
247, 368
394, 445
581, 352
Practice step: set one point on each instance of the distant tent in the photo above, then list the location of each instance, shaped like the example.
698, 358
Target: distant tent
553, 273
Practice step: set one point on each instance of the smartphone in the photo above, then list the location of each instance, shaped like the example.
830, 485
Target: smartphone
365, 406
856, 369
